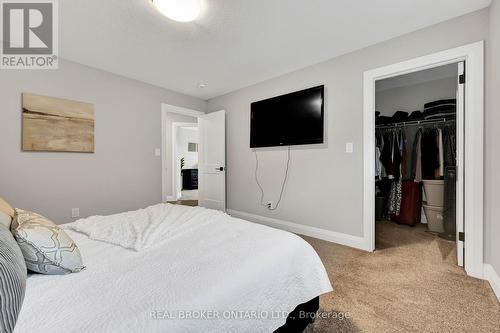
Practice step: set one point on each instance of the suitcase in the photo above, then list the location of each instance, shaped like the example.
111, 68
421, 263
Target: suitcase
411, 204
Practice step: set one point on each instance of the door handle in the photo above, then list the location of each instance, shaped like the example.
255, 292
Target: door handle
220, 169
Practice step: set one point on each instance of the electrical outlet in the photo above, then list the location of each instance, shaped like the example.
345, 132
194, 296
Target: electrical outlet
349, 147
269, 205
75, 212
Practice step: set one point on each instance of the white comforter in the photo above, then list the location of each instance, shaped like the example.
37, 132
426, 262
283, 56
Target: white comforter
230, 275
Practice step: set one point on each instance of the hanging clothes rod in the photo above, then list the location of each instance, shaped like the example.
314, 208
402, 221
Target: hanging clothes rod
416, 123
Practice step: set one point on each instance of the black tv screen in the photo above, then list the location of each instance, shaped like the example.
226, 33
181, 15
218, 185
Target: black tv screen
292, 119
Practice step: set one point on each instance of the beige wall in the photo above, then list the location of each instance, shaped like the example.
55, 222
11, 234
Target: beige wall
325, 186
492, 153
123, 174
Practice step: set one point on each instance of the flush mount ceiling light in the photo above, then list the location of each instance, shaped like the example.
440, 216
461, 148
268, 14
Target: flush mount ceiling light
179, 10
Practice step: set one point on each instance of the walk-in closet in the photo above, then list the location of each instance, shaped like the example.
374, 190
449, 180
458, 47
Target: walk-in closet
416, 157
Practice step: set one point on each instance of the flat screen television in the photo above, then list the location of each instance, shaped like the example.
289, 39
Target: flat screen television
292, 119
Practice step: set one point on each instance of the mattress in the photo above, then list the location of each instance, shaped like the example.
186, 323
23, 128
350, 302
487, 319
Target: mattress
222, 275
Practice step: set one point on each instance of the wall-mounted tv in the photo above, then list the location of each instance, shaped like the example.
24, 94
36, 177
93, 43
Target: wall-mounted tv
292, 119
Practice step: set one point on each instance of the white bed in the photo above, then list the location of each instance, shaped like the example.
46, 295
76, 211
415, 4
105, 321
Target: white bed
186, 261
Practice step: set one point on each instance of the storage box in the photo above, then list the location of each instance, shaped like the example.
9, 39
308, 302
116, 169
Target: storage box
434, 192
434, 217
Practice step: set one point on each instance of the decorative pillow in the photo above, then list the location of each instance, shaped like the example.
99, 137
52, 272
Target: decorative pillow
12, 280
47, 249
6, 213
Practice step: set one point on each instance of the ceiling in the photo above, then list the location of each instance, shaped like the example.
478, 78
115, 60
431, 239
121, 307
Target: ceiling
428, 75
235, 43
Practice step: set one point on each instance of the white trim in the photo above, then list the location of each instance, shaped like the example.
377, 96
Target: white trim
473, 55
460, 144
327, 235
493, 278
165, 109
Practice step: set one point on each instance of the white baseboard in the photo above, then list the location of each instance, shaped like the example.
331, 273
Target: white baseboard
327, 235
171, 198
493, 278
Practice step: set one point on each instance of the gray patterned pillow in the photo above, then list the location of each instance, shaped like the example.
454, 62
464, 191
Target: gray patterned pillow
47, 249
12, 280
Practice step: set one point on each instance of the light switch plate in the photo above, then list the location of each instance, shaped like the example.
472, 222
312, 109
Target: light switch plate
349, 147
157, 152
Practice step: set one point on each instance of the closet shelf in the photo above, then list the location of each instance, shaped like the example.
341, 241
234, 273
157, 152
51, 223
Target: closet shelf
416, 123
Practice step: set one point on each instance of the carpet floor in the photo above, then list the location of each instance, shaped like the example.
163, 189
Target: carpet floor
192, 203
410, 284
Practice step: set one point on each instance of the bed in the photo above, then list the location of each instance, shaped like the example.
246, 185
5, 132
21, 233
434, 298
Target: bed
170, 268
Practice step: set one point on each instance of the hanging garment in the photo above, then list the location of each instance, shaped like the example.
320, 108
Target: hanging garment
378, 164
436, 170
386, 153
404, 155
441, 153
450, 146
417, 157
382, 168
430, 154
396, 156
395, 197
391, 157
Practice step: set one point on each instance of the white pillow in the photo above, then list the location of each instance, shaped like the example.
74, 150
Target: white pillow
46, 248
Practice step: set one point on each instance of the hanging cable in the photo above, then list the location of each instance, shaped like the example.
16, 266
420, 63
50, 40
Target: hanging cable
262, 194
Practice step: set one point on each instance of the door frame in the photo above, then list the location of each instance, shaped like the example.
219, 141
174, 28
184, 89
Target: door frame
165, 110
470, 163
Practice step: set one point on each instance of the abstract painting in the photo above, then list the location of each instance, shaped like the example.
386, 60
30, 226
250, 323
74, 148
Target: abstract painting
57, 125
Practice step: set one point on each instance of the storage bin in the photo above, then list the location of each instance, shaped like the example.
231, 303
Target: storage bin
434, 192
434, 216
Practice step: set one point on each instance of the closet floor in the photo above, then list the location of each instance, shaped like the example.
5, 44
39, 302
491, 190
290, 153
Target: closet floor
410, 284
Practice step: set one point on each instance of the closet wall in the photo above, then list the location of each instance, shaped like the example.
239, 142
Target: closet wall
412, 97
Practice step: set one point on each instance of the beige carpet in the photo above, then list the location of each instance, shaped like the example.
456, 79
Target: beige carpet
410, 284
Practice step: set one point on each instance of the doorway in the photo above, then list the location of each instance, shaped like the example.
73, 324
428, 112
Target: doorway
193, 157
469, 137
416, 161
185, 141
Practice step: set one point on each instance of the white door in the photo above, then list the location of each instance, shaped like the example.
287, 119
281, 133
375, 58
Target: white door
460, 162
212, 160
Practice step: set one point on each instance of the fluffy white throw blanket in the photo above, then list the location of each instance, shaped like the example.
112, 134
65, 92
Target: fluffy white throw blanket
146, 227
